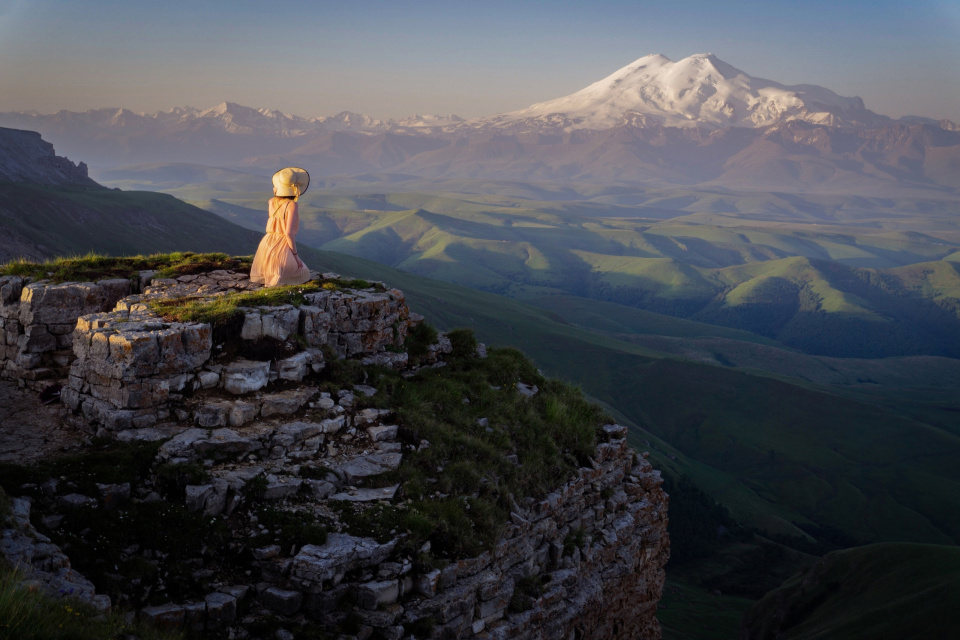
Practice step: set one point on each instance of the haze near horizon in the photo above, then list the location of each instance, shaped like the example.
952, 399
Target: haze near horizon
390, 61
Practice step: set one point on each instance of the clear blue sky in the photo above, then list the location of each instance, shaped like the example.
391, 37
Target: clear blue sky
390, 59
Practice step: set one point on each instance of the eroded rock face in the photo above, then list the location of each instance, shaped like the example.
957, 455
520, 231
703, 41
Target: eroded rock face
37, 322
131, 366
596, 547
330, 562
43, 562
131, 369
607, 588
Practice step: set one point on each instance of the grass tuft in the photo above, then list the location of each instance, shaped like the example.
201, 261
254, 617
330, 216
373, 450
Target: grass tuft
95, 266
27, 614
221, 310
419, 338
464, 343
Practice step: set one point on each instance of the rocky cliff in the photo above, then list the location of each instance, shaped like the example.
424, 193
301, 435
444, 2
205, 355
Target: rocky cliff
26, 157
330, 464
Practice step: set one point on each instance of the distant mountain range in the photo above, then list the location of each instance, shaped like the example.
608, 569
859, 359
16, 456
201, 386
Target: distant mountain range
698, 121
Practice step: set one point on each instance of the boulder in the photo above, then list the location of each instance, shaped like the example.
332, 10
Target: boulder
245, 376
281, 601
369, 465
315, 564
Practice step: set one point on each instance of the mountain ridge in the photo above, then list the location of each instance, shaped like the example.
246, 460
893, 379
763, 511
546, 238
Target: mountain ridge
698, 121
705, 71
700, 90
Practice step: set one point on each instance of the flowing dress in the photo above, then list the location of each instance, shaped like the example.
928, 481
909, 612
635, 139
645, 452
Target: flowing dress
275, 263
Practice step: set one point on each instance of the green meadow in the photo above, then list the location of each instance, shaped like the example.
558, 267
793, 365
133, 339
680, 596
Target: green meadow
828, 275
878, 591
781, 454
61, 221
738, 336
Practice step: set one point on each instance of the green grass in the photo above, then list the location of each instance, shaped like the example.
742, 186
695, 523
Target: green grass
878, 591
813, 457
219, 311
50, 221
94, 266
461, 485
827, 442
692, 613
617, 319
27, 614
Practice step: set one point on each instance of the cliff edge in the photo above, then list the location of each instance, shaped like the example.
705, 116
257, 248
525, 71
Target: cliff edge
26, 157
316, 458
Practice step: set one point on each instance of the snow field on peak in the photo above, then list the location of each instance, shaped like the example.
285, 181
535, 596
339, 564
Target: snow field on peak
697, 90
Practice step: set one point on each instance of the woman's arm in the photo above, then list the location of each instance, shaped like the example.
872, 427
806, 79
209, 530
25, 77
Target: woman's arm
291, 224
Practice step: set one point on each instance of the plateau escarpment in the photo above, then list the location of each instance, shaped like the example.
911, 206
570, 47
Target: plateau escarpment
49, 207
26, 157
317, 457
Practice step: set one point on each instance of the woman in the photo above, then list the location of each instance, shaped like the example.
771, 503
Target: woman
277, 261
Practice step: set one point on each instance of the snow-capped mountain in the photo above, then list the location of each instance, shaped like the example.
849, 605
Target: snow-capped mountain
655, 121
701, 90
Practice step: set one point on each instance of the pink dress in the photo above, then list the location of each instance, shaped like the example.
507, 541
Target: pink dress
275, 263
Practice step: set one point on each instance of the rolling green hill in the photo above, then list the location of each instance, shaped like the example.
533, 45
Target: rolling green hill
828, 275
895, 591
777, 454
47, 221
809, 461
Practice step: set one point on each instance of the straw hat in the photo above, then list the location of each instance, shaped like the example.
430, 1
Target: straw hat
292, 181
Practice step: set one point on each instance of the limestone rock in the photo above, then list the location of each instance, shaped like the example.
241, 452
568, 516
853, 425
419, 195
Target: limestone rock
227, 442
245, 376
315, 564
369, 465
367, 495
164, 616
221, 609
384, 433
286, 402
280, 322
282, 601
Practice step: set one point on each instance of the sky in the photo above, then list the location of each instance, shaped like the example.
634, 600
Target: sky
394, 58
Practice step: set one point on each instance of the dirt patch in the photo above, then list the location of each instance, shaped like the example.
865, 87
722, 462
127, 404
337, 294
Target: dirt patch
31, 431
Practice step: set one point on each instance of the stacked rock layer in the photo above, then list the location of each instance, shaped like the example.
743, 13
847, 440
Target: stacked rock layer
587, 561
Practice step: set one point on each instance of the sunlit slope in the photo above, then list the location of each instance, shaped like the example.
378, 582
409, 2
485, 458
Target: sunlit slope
56, 221
877, 591
831, 275
612, 318
816, 457
818, 306
888, 456
775, 453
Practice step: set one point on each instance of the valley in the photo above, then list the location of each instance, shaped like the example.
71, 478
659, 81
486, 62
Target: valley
833, 276
760, 281
789, 420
